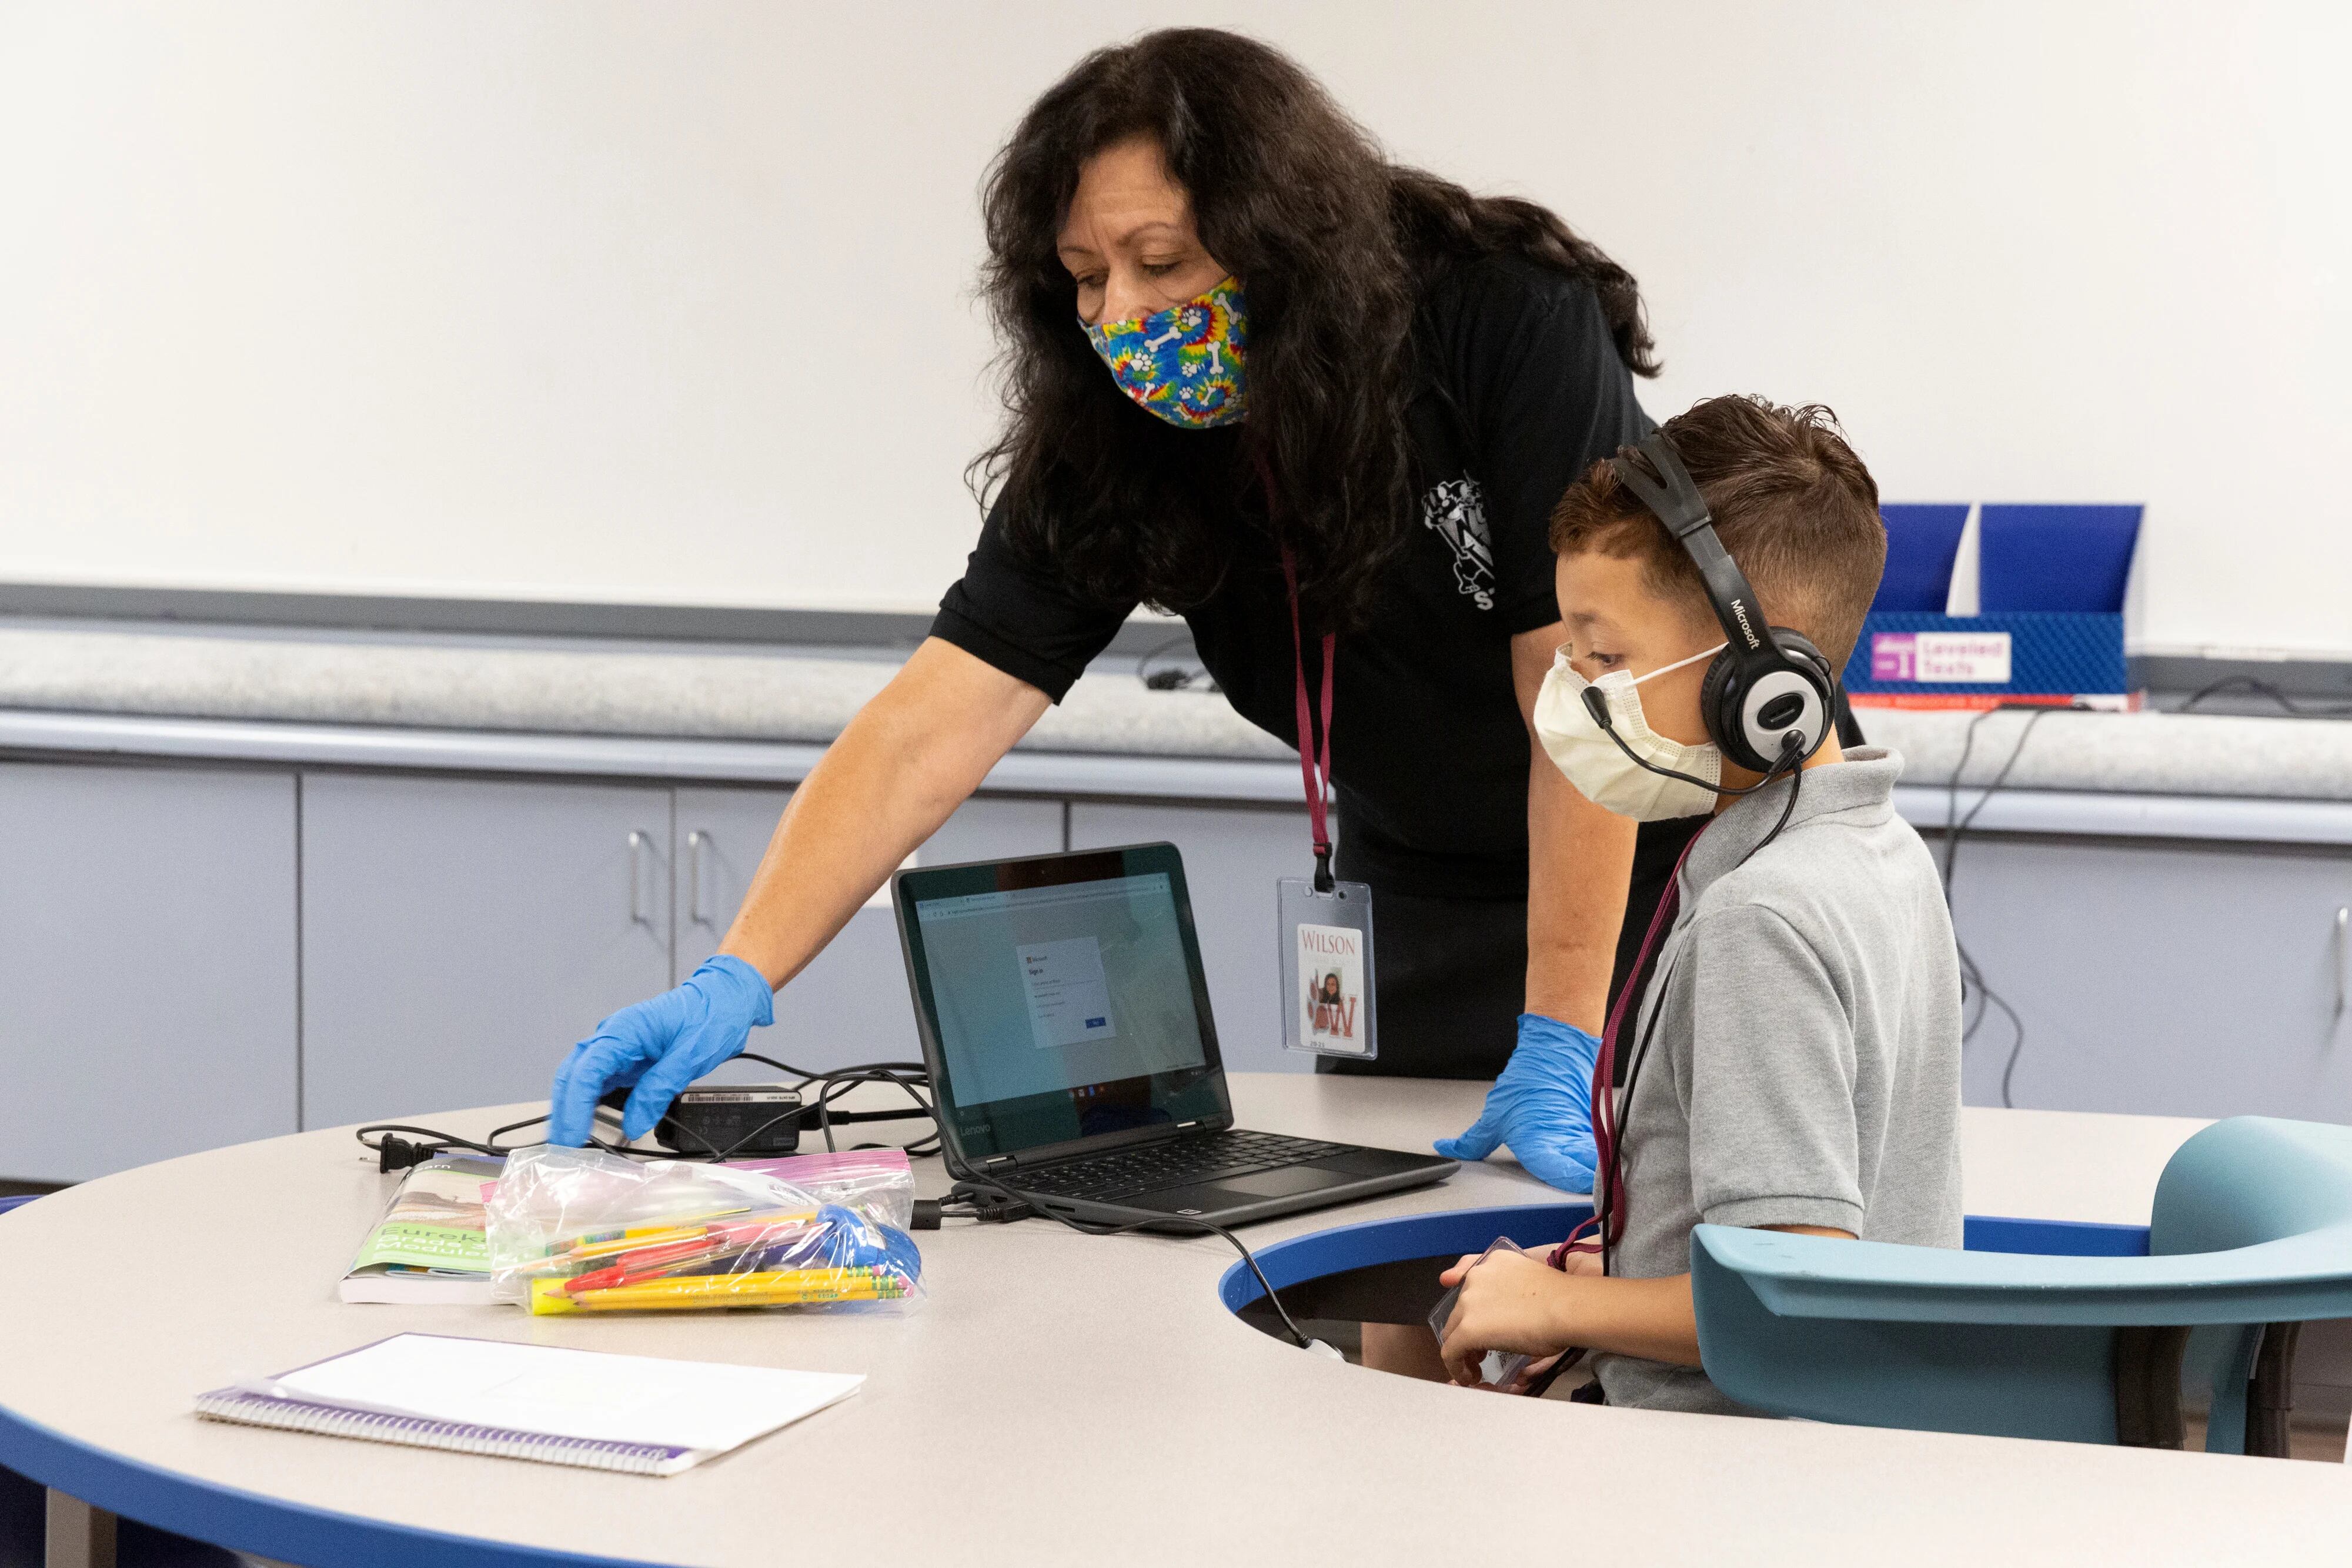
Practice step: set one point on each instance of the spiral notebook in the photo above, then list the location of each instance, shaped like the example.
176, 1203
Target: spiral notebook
638, 1414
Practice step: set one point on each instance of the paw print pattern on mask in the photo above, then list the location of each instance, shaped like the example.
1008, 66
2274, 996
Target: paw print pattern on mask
1183, 363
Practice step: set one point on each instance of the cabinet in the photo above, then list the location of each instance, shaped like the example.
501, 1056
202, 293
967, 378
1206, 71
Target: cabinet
2160, 979
851, 1004
147, 965
1233, 857
192, 955
459, 935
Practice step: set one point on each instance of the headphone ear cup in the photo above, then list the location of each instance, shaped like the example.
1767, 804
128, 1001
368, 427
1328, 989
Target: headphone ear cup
1722, 699
1811, 662
1801, 653
1718, 709
1797, 645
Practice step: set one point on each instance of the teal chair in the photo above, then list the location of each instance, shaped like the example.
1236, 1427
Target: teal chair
2251, 1238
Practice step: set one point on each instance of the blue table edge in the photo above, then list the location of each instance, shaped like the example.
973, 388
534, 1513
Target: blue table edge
247, 1522
1319, 1253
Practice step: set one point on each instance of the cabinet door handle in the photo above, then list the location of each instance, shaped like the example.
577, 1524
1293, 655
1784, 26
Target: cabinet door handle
2343, 952
636, 878
694, 843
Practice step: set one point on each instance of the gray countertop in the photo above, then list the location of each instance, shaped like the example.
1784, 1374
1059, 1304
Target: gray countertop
648, 697
665, 691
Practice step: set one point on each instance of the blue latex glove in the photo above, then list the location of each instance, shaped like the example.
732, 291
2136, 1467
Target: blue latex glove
1541, 1107
660, 1045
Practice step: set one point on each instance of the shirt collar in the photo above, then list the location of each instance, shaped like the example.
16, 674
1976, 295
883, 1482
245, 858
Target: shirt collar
1858, 792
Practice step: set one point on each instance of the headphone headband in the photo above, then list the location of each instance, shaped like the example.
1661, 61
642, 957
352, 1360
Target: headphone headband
1673, 495
1684, 511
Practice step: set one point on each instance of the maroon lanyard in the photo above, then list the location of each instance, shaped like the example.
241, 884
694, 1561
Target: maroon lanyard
1314, 772
1608, 1183
1606, 1127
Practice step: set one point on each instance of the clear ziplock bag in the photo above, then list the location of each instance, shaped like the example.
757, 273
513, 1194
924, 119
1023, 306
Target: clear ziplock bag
582, 1230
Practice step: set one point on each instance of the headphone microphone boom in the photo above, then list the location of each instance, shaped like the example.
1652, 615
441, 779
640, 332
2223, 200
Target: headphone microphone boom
1595, 705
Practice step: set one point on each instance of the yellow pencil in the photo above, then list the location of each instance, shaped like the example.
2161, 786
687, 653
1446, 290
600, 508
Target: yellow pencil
557, 1307
548, 1296
731, 1284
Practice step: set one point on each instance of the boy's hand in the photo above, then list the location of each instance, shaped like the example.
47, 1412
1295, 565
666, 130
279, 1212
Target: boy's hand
1509, 1302
1541, 1107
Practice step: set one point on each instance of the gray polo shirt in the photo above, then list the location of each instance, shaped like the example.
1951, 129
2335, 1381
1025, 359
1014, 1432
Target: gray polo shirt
1803, 1061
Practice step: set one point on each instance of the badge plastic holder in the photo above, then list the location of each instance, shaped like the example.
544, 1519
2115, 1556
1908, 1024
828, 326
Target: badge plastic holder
1326, 969
1500, 1369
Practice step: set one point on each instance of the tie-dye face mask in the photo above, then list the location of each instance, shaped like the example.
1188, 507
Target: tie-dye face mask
1183, 363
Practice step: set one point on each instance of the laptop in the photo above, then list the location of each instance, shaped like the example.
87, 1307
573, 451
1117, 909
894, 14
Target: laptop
1064, 1019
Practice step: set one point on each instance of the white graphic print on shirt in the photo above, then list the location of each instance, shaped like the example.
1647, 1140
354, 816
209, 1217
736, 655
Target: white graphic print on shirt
1456, 509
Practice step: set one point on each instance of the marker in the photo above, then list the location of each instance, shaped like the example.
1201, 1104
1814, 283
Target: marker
606, 1244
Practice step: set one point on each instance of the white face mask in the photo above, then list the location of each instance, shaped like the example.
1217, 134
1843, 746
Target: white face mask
1600, 768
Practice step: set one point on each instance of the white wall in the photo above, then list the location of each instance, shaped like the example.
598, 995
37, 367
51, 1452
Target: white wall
670, 302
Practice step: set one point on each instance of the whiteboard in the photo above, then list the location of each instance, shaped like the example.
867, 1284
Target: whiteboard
633, 301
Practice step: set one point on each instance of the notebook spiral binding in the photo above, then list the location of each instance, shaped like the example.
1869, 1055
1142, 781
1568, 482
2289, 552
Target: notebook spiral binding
254, 1409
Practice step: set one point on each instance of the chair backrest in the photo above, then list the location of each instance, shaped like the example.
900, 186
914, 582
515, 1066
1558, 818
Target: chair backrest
2251, 1180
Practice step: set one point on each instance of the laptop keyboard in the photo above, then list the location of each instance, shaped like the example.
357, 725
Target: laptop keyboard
1180, 1162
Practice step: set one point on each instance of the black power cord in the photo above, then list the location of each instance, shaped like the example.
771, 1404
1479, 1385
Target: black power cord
2263, 688
1010, 1203
399, 1146
1956, 826
1176, 677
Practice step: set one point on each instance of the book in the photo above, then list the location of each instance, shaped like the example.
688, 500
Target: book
637, 1413
431, 1246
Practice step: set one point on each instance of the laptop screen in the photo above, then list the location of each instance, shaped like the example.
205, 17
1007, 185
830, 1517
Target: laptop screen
1062, 997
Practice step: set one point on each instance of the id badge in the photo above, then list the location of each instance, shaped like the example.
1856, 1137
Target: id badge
1326, 969
1500, 1369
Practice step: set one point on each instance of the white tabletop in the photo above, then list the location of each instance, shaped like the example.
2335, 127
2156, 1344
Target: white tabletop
1067, 1398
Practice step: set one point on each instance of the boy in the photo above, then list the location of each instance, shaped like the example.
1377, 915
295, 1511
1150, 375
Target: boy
1794, 1059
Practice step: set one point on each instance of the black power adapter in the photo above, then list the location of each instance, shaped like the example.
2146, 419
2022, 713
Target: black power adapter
750, 1120
745, 1121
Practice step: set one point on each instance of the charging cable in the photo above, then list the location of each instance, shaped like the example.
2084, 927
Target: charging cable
397, 1145
1955, 827
2261, 688
1011, 1203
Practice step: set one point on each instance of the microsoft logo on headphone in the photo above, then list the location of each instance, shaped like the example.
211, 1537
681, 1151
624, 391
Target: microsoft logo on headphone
1739, 609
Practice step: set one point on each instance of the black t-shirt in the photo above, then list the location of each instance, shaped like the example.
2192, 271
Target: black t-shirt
1521, 389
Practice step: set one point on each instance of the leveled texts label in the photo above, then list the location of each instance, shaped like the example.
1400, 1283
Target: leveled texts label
1955, 658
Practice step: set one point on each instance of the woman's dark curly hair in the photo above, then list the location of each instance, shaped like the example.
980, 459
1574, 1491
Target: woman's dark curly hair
1334, 244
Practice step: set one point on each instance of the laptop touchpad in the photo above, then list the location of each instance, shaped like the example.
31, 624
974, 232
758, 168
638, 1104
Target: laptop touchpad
1278, 1182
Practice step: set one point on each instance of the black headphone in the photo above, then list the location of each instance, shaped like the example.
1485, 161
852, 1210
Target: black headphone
1769, 697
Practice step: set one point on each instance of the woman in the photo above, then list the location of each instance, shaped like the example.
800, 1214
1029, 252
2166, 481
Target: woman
1233, 329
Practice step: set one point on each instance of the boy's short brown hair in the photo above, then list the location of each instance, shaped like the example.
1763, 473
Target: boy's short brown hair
1792, 504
